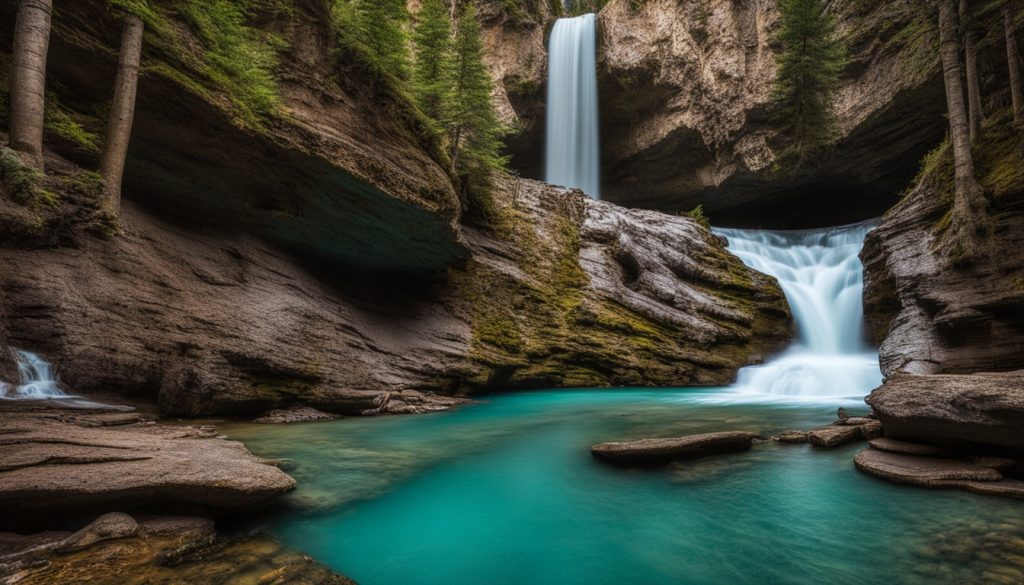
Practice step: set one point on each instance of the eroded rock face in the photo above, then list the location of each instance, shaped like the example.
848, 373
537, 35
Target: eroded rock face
685, 92
319, 260
986, 409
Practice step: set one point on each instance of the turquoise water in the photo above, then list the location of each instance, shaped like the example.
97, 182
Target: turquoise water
506, 492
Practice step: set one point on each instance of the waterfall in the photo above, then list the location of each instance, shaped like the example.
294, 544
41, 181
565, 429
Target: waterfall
37, 379
821, 274
572, 137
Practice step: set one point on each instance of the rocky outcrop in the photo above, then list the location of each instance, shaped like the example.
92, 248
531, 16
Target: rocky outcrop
659, 451
336, 173
563, 292
685, 92
832, 436
316, 257
986, 409
981, 476
56, 459
158, 549
933, 317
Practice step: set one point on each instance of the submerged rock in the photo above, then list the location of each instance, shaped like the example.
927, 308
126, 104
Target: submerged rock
660, 451
982, 408
52, 462
296, 414
164, 550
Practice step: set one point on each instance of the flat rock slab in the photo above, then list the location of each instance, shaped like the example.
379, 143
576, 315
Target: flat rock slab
891, 445
660, 451
298, 414
922, 471
839, 434
935, 473
49, 459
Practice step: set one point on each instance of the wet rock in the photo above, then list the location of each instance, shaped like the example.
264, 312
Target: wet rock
52, 463
660, 451
923, 471
170, 550
795, 437
982, 408
295, 414
834, 436
907, 448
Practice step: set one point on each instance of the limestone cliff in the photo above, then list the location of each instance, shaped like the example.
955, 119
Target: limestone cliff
934, 318
316, 255
685, 92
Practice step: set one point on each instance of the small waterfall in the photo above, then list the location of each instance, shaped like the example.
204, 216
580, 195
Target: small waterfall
37, 379
821, 274
572, 135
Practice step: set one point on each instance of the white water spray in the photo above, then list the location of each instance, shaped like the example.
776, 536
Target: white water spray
38, 380
572, 135
821, 274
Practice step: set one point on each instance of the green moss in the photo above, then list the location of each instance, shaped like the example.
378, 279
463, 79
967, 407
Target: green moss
68, 125
23, 184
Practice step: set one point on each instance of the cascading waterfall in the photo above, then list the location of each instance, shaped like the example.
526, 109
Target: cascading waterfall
821, 274
572, 135
37, 379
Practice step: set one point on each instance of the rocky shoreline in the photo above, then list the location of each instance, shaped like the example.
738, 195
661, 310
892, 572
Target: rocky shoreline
61, 466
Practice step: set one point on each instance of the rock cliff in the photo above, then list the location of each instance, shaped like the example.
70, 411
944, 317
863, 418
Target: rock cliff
317, 256
685, 93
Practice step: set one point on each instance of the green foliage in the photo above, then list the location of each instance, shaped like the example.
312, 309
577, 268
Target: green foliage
23, 183
809, 65
239, 57
63, 123
577, 7
697, 214
378, 26
433, 59
474, 131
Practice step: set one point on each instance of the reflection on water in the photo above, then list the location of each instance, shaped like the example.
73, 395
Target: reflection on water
506, 492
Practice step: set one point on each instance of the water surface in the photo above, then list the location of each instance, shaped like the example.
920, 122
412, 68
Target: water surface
506, 492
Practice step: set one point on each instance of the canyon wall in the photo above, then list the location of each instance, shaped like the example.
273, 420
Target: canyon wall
318, 254
685, 103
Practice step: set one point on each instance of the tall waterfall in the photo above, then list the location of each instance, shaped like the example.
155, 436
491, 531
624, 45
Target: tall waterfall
38, 380
572, 136
821, 274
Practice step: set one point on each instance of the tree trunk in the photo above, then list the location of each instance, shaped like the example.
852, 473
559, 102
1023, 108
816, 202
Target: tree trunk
122, 113
28, 80
975, 114
1013, 59
968, 204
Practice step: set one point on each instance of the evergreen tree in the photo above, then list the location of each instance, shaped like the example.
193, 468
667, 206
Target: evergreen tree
808, 74
380, 25
432, 59
474, 131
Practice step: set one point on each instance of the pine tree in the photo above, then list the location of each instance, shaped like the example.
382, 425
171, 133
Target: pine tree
808, 75
380, 26
432, 45
474, 130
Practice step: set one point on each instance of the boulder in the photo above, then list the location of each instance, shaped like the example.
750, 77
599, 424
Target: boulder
985, 409
49, 460
794, 437
660, 451
833, 436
